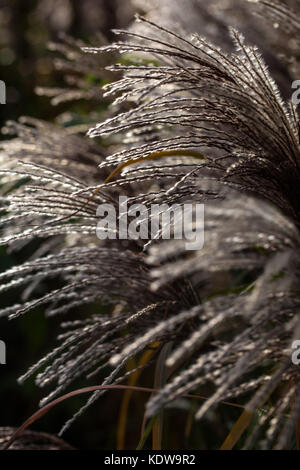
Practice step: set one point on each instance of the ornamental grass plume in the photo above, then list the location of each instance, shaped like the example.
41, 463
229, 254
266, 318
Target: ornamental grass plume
201, 113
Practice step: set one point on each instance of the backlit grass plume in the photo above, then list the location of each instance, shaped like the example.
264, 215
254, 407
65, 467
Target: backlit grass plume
193, 120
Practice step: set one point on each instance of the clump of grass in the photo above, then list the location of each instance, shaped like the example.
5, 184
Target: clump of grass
191, 98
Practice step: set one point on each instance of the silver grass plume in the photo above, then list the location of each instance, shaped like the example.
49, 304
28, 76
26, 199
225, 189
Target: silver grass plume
229, 310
